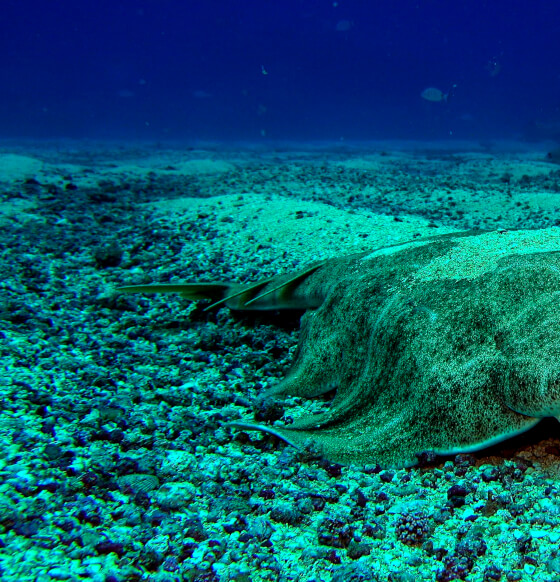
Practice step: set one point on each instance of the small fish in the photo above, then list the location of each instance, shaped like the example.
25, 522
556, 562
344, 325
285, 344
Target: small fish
201, 94
436, 95
344, 25
493, 66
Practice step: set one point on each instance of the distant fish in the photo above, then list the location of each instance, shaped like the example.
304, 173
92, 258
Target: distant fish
125, 93
200, 94
467, 117
493, 66
344, 25
436, 95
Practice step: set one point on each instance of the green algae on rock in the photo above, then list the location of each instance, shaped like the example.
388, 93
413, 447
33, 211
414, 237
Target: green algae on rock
446, 344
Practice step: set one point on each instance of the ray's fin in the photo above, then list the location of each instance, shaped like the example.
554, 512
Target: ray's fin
218, 293
245, 290
280, 432
288, 285
193, 291
236, 295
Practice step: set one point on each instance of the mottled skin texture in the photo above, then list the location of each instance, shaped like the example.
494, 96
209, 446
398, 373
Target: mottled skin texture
422, 363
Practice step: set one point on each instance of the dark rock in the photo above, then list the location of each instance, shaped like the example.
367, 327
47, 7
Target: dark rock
28, 529
473, 546
387, 476
360, 498
359, 572
464, 460
357, 550
284, 513
318, 502
109, 255
334, 533
266, 493
374, 530
490, 474
108, 547
456, 495
333, 469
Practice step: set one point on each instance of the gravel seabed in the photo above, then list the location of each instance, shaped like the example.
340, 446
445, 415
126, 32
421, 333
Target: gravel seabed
115, 464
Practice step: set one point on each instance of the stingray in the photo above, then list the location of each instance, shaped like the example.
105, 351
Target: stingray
443, 345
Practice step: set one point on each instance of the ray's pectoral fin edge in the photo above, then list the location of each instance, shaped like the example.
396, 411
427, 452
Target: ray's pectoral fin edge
296, 439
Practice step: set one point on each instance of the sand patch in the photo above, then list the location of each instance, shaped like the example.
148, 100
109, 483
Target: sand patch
310, 230
15, 167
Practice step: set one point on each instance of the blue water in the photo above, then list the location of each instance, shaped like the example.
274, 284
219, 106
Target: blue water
279, 69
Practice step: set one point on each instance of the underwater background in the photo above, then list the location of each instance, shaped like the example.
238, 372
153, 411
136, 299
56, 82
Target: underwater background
289, 70
213, 141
